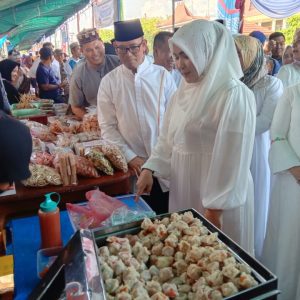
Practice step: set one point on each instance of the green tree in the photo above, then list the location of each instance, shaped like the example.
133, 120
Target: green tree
150, 30
293, 23
106, 34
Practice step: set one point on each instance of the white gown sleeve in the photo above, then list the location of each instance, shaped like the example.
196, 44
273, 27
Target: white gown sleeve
160, 158
282, 156
284, 75
271, 97
107, 119
227, 180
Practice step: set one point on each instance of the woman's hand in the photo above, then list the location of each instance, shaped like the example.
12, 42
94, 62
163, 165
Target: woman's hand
144, 183
295, 171
214, 216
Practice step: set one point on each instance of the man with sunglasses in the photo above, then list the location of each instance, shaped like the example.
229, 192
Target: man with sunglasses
87, 75
132, 100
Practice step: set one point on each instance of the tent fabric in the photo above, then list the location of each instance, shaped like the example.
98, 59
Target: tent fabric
27, 21
277, 9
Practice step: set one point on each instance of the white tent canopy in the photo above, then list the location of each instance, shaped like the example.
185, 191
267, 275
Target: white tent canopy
277, 9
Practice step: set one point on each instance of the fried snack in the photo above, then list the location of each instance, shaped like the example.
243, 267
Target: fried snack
25, 101
99, 161
42, 176
115, 156
85, 168
90, 122
42, 158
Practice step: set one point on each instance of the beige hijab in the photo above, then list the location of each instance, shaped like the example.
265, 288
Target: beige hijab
252, 59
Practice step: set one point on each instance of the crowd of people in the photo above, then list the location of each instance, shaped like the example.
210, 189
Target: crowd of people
211, 121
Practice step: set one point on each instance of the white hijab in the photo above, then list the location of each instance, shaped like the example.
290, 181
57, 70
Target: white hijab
210, 47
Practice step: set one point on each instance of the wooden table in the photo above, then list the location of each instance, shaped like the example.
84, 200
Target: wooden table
27, 199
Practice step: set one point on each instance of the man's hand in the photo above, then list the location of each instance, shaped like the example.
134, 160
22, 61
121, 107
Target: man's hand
214, 216
136, 164
144, 183
78, 111
295, 171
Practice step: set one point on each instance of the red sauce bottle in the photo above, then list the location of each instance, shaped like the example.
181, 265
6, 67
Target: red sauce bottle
50, 222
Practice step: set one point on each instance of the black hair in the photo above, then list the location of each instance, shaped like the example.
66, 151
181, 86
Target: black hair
45, 53
160, 38
47, 44
275, 35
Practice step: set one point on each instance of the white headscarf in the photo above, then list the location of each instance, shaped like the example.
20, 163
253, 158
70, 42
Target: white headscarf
210, 47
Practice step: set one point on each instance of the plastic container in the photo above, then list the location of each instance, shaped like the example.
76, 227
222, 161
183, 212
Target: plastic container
45, 258
49, 218
136, 211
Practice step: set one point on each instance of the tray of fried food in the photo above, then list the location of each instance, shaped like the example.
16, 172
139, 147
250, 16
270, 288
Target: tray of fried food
176, 256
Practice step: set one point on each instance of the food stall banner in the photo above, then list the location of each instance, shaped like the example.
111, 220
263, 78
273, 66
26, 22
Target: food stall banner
277, 9
106, 13
226, 11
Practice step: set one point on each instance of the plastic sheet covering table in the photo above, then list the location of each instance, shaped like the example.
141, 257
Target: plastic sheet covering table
26, 242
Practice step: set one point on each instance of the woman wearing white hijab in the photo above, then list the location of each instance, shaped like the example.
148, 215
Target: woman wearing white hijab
206, 142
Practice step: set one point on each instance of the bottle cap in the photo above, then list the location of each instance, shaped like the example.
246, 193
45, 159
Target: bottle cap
49, 205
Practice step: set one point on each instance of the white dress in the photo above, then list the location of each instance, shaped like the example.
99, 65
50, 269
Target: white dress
208, 161
267, 91
289, 74
282, 244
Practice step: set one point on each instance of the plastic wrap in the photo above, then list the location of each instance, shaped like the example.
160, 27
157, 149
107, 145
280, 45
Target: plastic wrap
60, 125
99, 161
99, 208
38, 145
42, 158
42, 133
83, 148
42, 176
115, 156
85, 168
67, 140
88, 136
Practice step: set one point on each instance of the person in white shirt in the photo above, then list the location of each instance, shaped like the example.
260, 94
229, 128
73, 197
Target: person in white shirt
267, 91
282, 243
163, 56
132, 100
70, 64
205, 145
290, 74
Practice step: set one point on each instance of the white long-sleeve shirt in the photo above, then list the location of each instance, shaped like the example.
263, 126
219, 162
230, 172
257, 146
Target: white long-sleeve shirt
129, 110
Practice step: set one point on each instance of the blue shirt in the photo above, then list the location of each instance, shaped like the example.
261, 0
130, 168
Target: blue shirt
45, 75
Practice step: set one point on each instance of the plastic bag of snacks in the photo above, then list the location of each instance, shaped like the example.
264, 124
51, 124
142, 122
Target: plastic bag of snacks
43, 133
66, 140
60, 125
115, 156
90, 122
38, 145
42, 158
82, 148
99, 161
66, 165
42, 176
88, 136
85, 168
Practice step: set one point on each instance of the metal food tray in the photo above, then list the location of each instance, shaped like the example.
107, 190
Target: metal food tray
73, 259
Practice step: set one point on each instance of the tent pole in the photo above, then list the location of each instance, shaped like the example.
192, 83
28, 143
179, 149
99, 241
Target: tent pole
173, 15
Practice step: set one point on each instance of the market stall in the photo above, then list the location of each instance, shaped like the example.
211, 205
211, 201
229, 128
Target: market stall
175, 255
